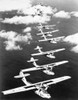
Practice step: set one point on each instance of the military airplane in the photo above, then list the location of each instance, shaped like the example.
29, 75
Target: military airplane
52, 40
44, 26
47, 68
49, 54
49, 33
39, 87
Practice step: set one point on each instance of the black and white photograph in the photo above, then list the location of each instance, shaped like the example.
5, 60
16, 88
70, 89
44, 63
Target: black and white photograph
38, 49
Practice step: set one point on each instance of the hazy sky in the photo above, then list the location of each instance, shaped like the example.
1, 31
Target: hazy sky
60, 4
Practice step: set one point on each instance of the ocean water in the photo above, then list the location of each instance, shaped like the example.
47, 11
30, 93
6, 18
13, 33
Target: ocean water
11, 62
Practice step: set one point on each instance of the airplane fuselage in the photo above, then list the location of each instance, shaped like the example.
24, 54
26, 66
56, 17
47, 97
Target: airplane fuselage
43, 94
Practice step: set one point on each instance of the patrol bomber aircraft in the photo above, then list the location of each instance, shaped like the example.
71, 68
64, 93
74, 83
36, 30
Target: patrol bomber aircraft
47, 68
49, 33
44, 26
39, 87
49, 54
52, 40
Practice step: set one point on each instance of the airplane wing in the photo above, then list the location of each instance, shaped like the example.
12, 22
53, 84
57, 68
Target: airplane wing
47, 52
57, 80
34, 86
18, 89
50, 25
59, 38
54, 31
47, 39
44, 66
52, 81
32, 69
55, 64
45, 26
53, 51
45, 32
53, 39
36, 54
48, 32
43, 53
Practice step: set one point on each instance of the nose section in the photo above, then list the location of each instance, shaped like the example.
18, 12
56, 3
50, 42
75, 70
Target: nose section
48, 96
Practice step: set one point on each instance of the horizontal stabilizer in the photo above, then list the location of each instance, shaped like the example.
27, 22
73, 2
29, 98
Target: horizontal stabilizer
37, 48
21, 76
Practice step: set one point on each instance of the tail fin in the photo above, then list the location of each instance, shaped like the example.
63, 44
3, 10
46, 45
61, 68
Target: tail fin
37, 48
32, 60
25, 81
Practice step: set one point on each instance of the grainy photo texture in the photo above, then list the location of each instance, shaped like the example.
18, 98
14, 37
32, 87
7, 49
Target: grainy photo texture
38, 49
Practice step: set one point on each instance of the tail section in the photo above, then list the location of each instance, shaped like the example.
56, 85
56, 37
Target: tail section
21, 75
32, 60
37, 48
25, 81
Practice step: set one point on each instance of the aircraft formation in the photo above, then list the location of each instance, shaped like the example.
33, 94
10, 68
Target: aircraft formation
45, 35
40, 88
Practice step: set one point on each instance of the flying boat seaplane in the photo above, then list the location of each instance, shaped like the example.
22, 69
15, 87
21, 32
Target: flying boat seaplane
39, 87
52, 40
49, 33
47, 68
49, 54
40, 26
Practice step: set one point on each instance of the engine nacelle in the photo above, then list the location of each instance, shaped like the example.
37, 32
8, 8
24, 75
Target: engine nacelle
51, 56
48, 72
